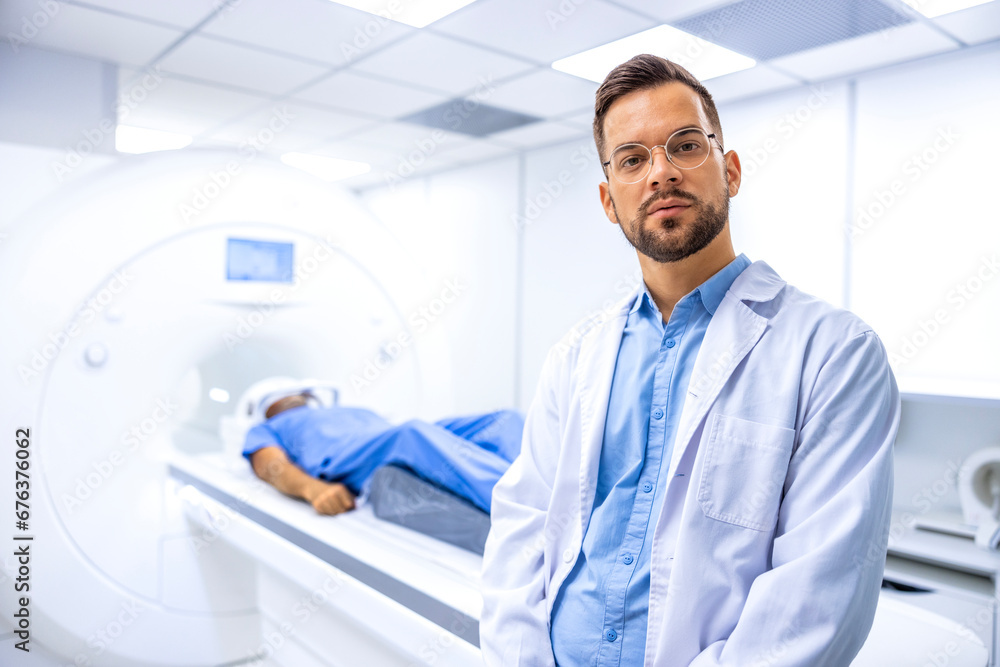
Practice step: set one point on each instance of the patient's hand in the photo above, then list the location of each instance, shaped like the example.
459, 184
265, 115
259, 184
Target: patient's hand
329, 498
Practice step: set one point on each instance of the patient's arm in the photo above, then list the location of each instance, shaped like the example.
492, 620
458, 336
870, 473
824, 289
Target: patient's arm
272, 465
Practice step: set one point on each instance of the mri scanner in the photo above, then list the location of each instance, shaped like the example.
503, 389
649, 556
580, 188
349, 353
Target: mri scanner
141, 301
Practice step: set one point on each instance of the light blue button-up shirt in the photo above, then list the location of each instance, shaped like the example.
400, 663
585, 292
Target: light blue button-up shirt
599, 616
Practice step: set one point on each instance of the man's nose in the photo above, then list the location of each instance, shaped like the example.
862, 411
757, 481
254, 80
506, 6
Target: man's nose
662, 170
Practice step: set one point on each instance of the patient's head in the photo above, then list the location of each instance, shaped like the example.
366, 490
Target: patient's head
286, 403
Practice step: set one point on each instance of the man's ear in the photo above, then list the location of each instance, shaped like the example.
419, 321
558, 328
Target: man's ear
607, 202
734, 172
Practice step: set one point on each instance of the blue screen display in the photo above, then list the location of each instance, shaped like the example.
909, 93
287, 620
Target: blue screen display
266, 261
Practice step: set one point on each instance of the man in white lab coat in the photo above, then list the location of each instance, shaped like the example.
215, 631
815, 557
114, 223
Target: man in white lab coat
706, 471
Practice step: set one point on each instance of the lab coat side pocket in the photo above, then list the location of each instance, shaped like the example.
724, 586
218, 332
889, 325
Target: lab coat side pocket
744, 472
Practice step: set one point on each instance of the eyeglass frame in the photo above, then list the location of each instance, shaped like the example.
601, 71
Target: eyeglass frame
607, 175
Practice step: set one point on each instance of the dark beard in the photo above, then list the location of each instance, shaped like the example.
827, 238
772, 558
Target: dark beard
703, 231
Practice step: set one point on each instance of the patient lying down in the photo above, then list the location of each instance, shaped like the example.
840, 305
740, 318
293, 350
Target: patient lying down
327, 455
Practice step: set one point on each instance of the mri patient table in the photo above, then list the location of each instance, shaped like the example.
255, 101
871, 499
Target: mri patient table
355, 590
347, 590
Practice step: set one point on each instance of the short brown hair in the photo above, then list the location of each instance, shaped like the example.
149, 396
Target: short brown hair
641, 73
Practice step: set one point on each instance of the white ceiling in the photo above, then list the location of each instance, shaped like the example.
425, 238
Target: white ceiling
344, 77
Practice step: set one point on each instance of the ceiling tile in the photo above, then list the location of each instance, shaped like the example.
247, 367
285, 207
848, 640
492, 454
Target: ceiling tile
354, 92
405, 138
866, 52
975, 24
178, 106
315, 29
475, 150
545, 31
541, 134
349, 149
300, 125
229, 63
675, 10
545, 93
181, 13
252, 143
753, 81
86, 32
465, 70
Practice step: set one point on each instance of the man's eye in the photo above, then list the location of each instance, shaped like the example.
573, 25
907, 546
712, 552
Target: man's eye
687, 147
631, 161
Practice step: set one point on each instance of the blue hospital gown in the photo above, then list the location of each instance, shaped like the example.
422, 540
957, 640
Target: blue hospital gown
466, 455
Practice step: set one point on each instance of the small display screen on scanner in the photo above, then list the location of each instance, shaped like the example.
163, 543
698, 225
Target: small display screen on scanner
266, 261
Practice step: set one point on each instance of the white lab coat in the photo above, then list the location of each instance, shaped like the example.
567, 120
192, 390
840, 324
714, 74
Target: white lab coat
771, 543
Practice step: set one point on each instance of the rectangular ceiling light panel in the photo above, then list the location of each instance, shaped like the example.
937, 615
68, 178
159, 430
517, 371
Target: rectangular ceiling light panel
129, 139
702, 58
932, 8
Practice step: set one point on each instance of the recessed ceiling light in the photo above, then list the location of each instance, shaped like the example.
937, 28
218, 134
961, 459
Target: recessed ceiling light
218, 394
327, 168
416, 13
932, 8
703, 59
129, 139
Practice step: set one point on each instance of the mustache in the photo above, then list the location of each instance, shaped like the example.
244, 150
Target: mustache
668, 194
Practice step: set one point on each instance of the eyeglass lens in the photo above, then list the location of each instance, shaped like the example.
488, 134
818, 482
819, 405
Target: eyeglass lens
687, 149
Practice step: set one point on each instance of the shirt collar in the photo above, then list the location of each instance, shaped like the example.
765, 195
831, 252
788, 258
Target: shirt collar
711, 291
714, 289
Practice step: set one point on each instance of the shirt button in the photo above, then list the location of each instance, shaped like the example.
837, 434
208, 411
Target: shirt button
657, 413
611, 635
647, 487
326, 462
627, 559
568, 555
671, 342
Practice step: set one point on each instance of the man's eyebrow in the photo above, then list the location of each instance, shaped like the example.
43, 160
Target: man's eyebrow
687, 128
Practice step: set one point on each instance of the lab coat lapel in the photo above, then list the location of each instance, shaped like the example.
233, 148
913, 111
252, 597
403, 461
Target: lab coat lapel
598, 356
731, 334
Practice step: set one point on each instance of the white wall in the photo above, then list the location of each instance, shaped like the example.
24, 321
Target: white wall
926, 255
792, 204
457, 225
815, 160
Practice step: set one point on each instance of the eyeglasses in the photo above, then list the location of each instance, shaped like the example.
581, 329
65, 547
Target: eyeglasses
686, 149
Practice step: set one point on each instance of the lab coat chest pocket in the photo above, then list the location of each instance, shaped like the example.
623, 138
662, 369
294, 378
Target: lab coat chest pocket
744, 472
